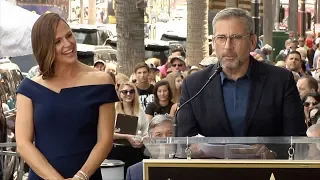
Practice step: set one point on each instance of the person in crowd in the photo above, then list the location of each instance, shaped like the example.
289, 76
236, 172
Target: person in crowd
131, 152
159, 126
314, 131
192, 70
229, 106
311, 53
162, 100
99, 65
314, 148
316, 53
283, 53
65, 116
145, 89
294, 62
111, 67
314, 114
281, 64
302, 43
309, 101
34, 71
178, 63
208, 61
264, 52
177, 52
309, 39
303, 53
120, 78
155, 61
153, 74
306, 85
175, 81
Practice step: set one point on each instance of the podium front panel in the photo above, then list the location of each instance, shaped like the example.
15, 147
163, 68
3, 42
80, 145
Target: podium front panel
177, 169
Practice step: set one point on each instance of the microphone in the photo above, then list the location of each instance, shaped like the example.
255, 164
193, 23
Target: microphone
216, 72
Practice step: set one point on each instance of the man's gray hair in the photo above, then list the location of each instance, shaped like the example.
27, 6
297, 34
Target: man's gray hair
237, 13
314, 129
159, 119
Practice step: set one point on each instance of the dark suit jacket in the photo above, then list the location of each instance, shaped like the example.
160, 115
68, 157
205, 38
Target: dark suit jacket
274, 107
135, 172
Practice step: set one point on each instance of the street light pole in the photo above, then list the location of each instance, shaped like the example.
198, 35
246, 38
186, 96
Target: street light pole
255, 15
276, 13
303, 18
293, 17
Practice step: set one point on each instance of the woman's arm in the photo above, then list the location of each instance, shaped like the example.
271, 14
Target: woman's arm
104, 142
173, 110
105, 132
120, 136
24, 138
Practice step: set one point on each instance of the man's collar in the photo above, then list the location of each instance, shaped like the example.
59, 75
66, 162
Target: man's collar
223, 75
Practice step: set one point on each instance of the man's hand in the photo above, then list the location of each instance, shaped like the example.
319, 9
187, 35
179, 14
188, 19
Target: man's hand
196, 151
262, 152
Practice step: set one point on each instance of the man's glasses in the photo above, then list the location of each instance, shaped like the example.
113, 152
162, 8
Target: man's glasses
234, 39
307, 104
132, 91
179, 65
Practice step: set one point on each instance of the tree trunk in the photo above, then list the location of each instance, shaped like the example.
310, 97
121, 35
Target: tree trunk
130, 35
197, 30
92, 19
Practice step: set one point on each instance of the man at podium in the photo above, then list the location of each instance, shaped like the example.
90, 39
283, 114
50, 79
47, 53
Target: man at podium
244, 97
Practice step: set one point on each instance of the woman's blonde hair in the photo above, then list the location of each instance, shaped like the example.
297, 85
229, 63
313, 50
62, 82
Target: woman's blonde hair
135, 102
155, 61
171, 78
121, 78
43, 42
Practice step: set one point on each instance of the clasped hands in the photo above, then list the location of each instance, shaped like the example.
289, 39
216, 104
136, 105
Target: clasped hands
260, 151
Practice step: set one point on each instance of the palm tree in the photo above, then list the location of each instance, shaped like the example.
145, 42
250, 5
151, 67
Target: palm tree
130, 34
197, 31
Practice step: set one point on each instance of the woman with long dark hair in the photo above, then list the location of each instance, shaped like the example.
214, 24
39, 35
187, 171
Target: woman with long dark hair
162, 100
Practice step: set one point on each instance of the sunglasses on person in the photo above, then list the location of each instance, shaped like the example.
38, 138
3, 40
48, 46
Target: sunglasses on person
307, 104
179, 65
128, 91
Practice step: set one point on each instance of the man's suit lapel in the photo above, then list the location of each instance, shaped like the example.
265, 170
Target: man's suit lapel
216, 97
256, 88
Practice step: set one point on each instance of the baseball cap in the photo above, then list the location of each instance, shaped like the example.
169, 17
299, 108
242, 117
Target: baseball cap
267, 47
181, 58
153, 67
208, 61
99, 61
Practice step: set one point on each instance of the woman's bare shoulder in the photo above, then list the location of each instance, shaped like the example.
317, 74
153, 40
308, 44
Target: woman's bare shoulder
37, 79
98, 77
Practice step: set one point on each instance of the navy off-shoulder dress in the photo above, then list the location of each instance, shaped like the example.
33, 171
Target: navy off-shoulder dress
65, 123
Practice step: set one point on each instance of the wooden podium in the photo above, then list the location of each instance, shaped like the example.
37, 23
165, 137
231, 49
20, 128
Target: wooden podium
225, 169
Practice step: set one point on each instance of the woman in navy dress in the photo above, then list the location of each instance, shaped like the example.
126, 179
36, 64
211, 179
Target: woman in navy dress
67, 111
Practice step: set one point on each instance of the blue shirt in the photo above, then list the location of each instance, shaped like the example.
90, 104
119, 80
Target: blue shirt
236, 95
